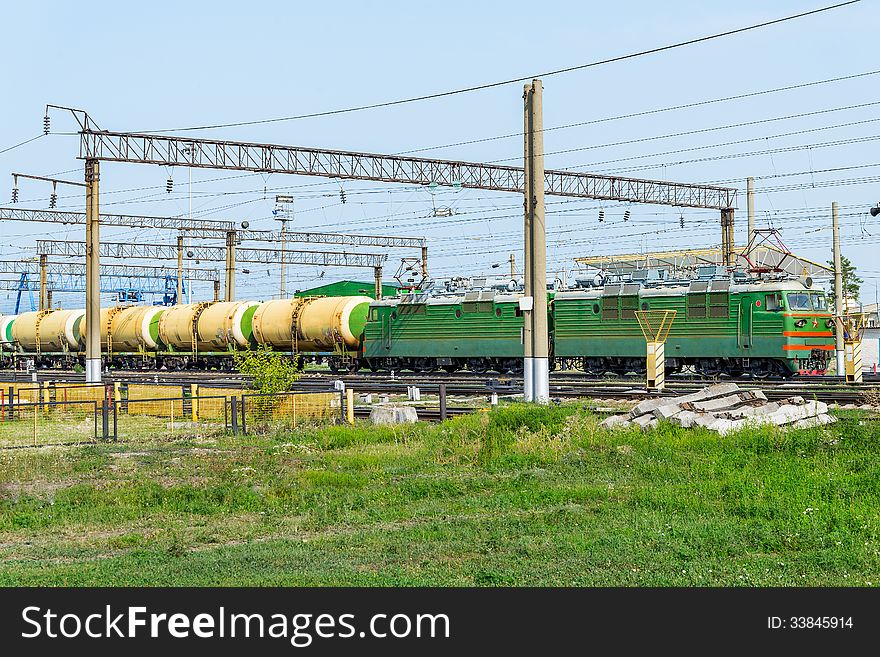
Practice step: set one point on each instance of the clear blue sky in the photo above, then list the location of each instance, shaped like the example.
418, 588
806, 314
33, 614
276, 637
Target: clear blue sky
159, 65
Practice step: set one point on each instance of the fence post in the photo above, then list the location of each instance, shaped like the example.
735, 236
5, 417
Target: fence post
233, 400
11, 402
442, 401
115, 424
243, 417
349, 405
105, 419
194, 401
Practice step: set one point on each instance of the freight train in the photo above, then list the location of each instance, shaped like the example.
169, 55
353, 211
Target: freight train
721, 325
190, 336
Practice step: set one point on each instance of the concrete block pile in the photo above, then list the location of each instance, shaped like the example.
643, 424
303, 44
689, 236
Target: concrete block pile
724, 407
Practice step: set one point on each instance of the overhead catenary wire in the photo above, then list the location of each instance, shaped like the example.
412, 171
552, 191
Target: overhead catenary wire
22, 143
544, 74
728, 126
649, 112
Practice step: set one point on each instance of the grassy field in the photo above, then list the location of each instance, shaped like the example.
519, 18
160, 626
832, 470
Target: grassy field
519, 496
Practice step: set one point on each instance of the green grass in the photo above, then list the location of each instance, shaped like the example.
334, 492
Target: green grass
519, 496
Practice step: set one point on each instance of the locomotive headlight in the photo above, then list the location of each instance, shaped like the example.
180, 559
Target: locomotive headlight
829, 323
801, 323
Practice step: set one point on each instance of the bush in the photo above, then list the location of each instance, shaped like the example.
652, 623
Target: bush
271, 371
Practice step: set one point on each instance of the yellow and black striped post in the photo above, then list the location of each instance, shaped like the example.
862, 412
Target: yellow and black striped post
656, 366
655, 325
852, 355
853, 328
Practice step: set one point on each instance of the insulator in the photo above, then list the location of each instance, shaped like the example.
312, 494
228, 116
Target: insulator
601, 215
626, 215
53, 199
681, 222
15, 194
342, 195
169, 185
46, 124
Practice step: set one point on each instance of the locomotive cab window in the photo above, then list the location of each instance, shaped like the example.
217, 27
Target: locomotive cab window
773, 302
819, 302
374, 314
799, 301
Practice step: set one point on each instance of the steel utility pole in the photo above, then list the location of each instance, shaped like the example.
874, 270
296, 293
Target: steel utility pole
377, 277
839, 304
283, 287
728, 253
179, 298
750, 201
44, 288
230, 266
536, 367
93, 271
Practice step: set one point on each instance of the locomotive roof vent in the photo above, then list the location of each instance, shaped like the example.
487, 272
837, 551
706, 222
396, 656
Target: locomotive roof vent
708, 272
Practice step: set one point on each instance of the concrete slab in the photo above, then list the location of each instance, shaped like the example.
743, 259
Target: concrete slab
717, 390
393, 414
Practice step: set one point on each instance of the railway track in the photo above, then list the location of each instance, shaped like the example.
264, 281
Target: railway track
563, 384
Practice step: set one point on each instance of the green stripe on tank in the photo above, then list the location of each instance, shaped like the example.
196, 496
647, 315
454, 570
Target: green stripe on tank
247, 322
76, 326
8, 335
358, 319
154, 326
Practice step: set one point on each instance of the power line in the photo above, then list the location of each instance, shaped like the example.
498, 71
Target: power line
26, 141
728, 126
648, 112
545, 74
785, 149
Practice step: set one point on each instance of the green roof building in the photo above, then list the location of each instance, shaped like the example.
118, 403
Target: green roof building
347, 289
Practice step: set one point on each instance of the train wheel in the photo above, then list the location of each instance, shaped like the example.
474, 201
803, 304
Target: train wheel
477, 366
450, 369
424, 365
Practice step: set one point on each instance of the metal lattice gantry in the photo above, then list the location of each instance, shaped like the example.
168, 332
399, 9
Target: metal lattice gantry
57, 283
343, 239
193, 227
213, 229
74, 249
76, 269
273, 158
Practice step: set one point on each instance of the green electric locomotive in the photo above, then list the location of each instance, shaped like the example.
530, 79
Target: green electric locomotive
721, 325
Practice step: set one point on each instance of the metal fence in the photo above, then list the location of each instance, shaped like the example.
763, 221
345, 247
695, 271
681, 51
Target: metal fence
67, 414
